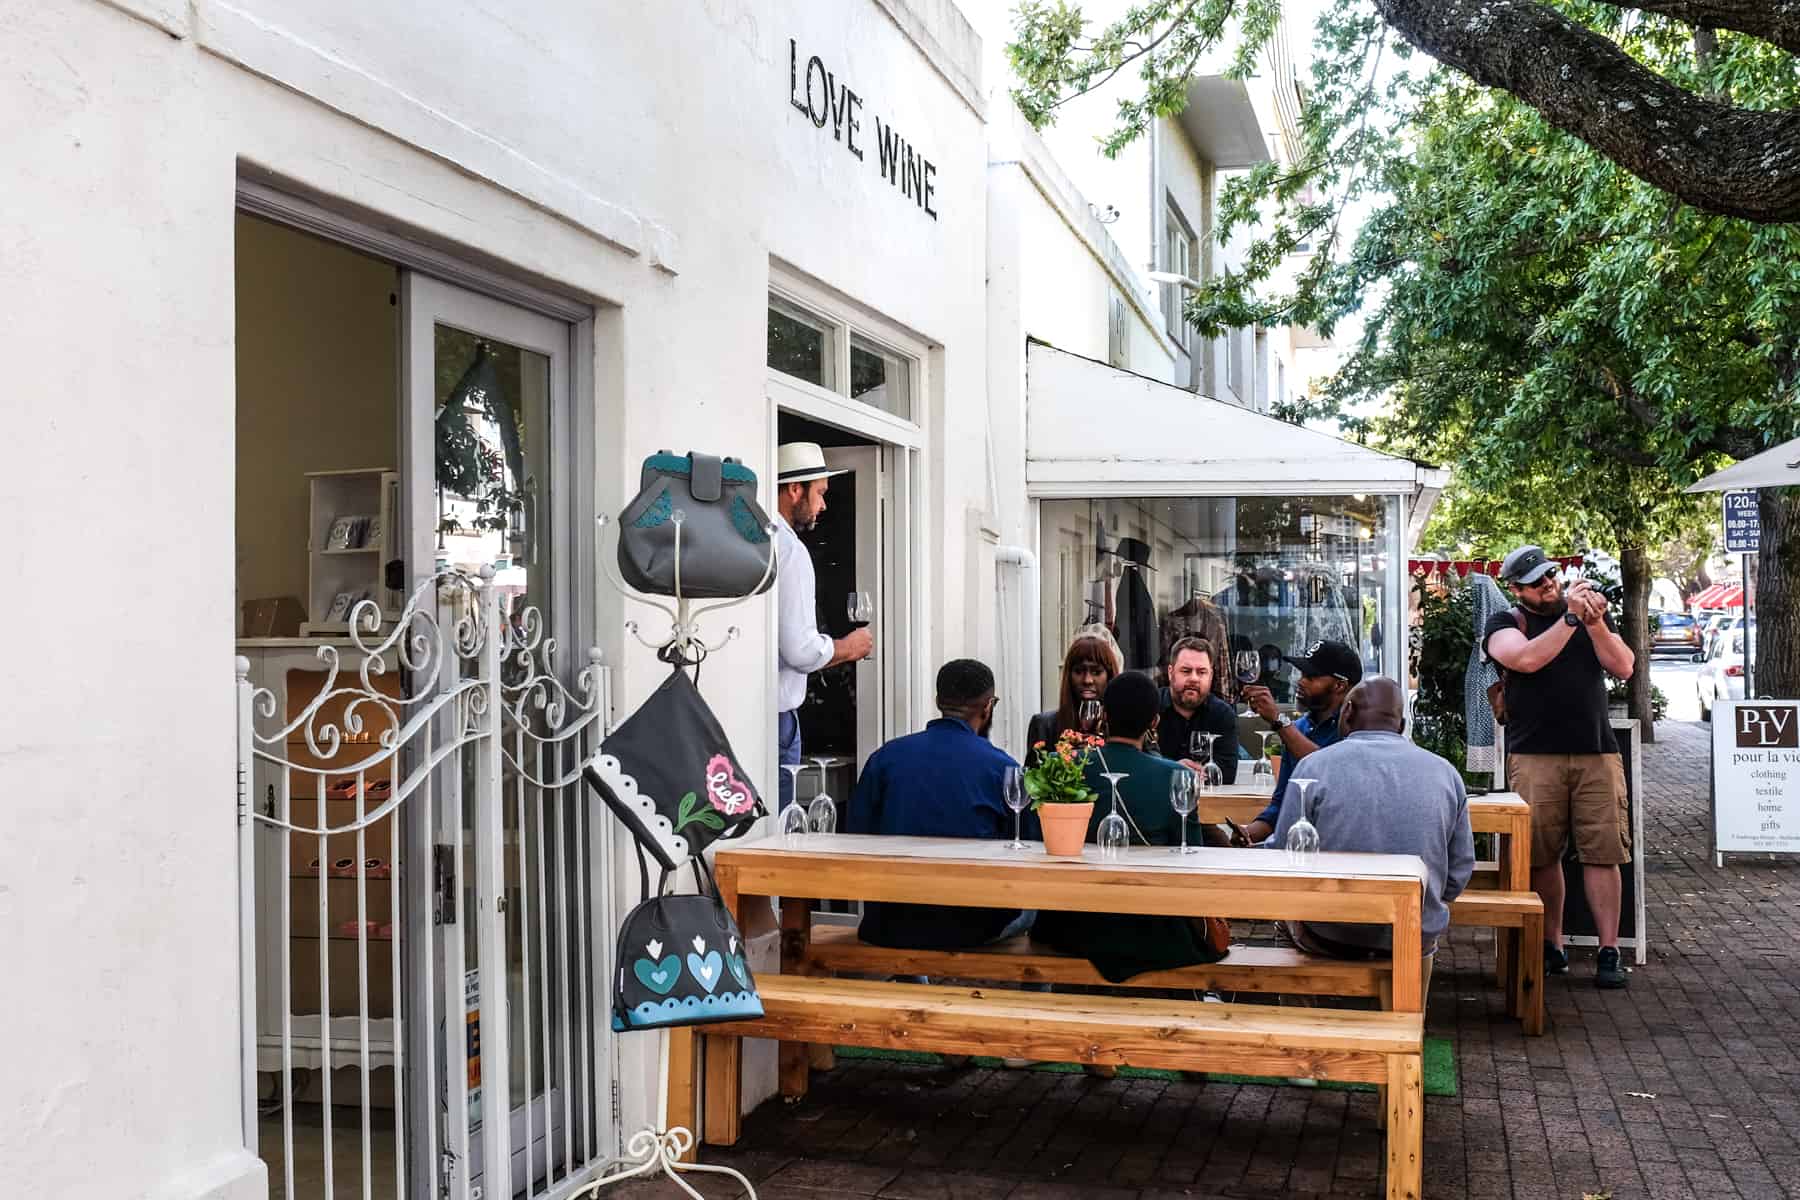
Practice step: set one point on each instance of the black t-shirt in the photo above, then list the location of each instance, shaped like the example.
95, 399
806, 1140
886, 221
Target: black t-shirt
1215, 716
1561, 708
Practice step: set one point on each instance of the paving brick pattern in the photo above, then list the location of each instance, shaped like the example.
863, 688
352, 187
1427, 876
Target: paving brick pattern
1686, 1084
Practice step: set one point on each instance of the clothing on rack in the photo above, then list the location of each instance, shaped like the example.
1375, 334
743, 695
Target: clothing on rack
1134, 612
1199, 617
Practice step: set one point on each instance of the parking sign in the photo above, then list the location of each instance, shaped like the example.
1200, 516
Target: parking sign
1743, 523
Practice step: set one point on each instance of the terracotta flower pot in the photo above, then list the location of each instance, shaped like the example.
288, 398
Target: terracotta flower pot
1065, 827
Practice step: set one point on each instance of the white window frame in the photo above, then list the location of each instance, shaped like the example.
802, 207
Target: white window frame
835, 404
1180, 256
909, 674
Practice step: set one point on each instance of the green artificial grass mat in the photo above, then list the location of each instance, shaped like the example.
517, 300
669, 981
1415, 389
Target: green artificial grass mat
1439, 1065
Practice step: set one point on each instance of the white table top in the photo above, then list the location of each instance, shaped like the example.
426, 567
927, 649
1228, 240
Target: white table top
992, 854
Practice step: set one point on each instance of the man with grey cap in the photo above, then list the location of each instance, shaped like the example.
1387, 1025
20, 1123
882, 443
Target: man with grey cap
801, 481
1556, 649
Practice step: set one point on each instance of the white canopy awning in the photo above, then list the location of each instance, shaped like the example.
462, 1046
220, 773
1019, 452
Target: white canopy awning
1095, 430
1777, 467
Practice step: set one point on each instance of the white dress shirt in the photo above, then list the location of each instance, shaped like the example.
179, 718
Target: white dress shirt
801, 648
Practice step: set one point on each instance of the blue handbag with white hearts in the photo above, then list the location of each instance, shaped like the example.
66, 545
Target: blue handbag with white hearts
681, 960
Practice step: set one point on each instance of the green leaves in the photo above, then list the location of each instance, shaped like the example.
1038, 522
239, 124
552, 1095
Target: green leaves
692, 812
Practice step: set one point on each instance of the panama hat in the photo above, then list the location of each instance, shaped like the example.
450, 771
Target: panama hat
802, 462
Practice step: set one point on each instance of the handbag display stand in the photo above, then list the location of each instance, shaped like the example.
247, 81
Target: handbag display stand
657, 1147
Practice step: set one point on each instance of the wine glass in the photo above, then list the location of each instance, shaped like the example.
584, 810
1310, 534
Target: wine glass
821, 814
1302, 836
793, 773
1200, 745
1089, 715
1012, 790
1247, 666
1265, 766
861, 609
1114, 834
1182, 800
793, 823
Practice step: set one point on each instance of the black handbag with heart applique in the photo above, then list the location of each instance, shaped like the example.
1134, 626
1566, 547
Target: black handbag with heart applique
681, 960
670, 776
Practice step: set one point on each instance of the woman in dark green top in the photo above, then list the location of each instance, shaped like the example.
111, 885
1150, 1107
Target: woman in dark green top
1121, 945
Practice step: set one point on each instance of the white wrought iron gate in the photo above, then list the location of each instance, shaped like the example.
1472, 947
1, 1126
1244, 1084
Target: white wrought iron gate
425, 918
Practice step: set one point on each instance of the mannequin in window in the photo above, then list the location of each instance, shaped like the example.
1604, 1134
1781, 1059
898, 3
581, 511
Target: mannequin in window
1134, 612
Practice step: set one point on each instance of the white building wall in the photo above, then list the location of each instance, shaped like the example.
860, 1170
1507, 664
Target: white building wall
645, 157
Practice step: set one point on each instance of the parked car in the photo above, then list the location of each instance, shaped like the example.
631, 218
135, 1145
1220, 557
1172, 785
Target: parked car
1721, 676
1677, 633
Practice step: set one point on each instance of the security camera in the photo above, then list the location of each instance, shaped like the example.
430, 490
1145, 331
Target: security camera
1106, 215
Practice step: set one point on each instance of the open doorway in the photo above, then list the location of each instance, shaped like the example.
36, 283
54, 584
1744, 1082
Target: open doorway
846, 715
410, 509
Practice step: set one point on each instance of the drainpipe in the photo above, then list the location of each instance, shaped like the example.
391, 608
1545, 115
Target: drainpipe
1029, 650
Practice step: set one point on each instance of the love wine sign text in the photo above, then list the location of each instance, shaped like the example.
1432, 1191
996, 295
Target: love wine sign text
826, 100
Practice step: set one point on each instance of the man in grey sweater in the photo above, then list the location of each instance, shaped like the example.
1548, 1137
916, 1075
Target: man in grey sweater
1377, 792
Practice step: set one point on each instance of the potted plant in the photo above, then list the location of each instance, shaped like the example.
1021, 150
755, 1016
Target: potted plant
1059, 792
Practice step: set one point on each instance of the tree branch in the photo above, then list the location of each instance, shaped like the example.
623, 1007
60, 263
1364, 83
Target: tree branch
1776, 23
1732, 161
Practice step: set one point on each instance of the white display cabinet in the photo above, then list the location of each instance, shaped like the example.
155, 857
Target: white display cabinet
350, 539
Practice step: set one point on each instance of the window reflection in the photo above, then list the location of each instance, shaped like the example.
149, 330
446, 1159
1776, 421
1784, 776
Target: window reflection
801, 345
880, 377
1272, 574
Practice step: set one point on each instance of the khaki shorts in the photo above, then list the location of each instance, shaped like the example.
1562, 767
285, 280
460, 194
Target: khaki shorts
1583, 794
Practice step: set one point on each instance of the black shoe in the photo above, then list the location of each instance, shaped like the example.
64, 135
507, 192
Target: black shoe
1607, 971
1555, 961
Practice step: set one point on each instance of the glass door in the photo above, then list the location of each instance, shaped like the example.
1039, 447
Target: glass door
862, 568
486, 395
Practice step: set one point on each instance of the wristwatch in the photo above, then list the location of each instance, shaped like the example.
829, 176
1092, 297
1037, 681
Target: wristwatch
1282, 721
1571, 620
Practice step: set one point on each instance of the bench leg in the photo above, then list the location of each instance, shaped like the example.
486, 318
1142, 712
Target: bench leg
1506, 952
1405, 1104
724, 1091
1529, 976
794, 1058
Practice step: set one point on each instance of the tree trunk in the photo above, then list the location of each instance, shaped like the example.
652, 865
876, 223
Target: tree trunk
1776, 661
1634, 574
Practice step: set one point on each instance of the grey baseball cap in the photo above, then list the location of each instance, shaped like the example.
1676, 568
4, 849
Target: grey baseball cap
1527, 564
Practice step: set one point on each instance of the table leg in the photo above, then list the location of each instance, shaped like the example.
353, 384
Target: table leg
681, 1111
795, 1058
1405, 1126
1528, 971
1408, 982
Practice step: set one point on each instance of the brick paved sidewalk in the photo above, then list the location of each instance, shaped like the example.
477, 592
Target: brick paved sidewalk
1684, 1085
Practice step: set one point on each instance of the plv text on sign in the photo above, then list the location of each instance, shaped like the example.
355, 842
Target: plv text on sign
1756, 766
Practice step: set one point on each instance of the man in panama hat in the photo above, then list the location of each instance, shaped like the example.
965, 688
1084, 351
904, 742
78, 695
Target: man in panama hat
801, 481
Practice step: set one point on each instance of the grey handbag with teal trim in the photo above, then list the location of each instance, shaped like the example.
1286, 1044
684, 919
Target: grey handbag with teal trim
725, 549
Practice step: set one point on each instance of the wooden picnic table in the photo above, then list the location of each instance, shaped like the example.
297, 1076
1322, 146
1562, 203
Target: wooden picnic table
1379, 889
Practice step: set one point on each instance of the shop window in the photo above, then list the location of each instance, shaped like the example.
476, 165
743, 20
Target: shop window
880, 377
829, 353
1263, 574
1181, 259
801, 344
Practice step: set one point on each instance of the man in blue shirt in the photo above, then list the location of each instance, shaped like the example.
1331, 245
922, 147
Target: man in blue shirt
942, 782
1327, 673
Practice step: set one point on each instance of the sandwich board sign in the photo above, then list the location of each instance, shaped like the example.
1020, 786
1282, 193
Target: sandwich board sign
1756, 777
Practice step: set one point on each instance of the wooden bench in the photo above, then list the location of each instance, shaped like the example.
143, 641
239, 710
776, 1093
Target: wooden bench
1382, 1048
1517, 919
1266, 970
